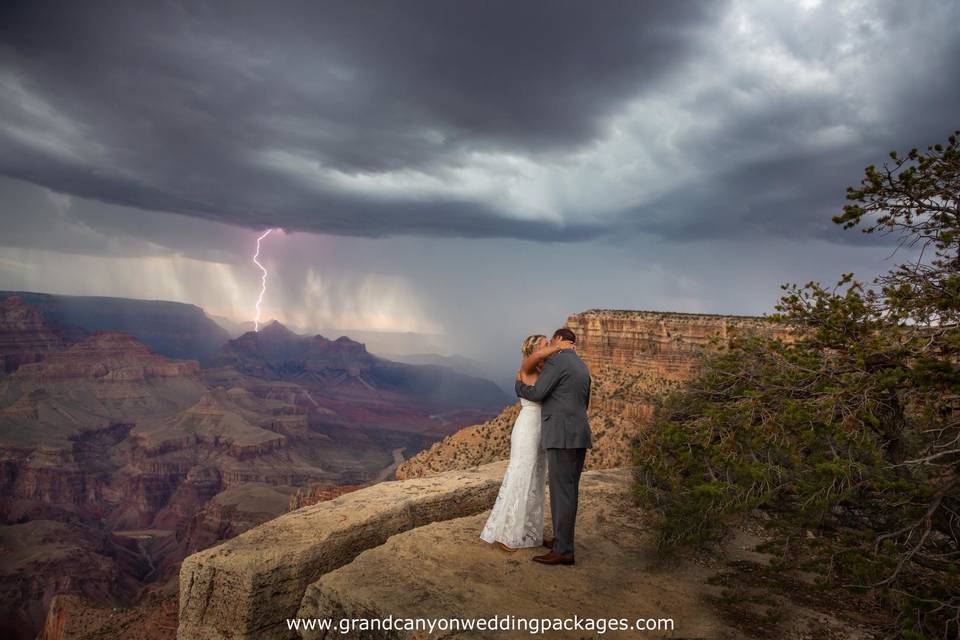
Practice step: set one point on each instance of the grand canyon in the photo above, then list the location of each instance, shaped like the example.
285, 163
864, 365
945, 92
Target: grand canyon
128, 440
120, 462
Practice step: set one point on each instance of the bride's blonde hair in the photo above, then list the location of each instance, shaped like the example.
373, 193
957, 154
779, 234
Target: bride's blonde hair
530, 344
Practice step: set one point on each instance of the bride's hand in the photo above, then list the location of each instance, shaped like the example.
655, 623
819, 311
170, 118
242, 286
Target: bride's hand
566, 344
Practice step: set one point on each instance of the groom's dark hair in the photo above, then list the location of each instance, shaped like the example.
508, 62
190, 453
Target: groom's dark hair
565, 334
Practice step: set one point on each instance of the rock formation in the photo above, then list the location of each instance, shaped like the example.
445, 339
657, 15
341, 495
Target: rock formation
246, 587
172, 329
73, 617
42, 558
25, 336
366, 390
441, 571
665, 345
107, 379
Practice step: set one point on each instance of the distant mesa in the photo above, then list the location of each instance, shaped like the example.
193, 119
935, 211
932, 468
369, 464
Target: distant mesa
172, 329
382, 343
336, 366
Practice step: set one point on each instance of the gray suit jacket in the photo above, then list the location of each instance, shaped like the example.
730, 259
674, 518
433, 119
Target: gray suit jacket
564, 389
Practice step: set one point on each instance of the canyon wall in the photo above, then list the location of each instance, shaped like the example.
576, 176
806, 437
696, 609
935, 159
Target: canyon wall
25, 336
172, 329
662, 344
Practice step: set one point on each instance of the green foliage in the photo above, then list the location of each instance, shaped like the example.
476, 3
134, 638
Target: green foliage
843, 418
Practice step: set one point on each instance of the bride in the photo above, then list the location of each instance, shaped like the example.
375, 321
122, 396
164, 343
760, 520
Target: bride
516, 520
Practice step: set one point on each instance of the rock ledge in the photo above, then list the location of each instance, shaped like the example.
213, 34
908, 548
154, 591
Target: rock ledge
248, 586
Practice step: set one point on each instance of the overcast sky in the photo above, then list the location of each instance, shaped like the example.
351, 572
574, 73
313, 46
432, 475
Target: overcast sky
478, 170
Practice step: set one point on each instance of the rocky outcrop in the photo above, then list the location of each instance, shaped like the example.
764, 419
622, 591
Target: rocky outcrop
247, 586
406, 551
659, 343
42, 558
233, 511
314, 493
25, 336
73, 617
443, 571
106, 357
470, 447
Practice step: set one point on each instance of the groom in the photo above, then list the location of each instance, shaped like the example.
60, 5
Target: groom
564, 389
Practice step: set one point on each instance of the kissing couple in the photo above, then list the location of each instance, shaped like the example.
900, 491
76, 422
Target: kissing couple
552, 429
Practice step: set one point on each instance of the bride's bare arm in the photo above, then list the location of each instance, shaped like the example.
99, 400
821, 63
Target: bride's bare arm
532, 361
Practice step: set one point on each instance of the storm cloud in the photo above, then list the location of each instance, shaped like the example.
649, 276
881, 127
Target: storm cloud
342, 117
534, 120
426, 159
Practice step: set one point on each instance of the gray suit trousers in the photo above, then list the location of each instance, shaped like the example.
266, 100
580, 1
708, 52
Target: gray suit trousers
565, 467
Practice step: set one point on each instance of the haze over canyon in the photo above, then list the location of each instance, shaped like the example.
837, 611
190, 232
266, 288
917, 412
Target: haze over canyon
120, 458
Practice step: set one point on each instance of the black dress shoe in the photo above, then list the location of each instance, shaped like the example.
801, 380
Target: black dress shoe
553, 558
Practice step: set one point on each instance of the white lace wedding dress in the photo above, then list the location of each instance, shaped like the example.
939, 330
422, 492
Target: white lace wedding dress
517, 516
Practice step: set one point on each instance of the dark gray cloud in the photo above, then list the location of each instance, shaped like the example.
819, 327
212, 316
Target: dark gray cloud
534, 120
174, 106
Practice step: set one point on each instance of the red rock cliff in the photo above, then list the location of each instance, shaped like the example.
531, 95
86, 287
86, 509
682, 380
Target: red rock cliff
664, 344
25, 336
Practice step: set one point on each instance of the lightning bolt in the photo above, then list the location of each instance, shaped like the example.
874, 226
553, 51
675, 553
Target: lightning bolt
263, 279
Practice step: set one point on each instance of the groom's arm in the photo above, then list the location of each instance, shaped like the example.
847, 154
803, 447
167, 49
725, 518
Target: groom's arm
548, 380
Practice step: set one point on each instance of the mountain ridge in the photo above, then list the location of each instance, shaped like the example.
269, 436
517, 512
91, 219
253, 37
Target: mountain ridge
173, 329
